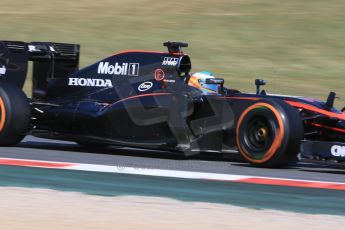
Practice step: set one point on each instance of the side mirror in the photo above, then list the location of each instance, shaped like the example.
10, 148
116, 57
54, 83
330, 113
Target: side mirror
258, 83
330, 100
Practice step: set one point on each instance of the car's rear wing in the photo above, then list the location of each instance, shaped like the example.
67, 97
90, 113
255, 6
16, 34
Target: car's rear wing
50, 60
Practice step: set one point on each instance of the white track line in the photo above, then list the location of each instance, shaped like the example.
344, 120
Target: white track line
174, 173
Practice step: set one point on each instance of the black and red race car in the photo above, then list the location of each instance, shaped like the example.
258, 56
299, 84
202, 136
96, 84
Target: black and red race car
144, 99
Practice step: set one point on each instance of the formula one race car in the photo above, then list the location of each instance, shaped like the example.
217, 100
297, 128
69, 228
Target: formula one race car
148, 99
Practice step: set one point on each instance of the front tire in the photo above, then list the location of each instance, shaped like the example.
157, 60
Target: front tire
14, 114
268, 133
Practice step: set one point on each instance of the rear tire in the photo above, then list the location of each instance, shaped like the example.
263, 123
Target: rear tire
268, 133
14, 114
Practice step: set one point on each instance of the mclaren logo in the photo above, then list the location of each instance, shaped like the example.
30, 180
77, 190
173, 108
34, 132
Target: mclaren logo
129, 69
90, 82
338, 151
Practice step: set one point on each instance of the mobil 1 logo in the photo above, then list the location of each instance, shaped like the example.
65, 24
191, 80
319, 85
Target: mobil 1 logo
133, 69
126, 69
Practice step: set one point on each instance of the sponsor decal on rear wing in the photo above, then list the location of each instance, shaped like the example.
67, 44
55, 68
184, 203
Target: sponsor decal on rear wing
2, 70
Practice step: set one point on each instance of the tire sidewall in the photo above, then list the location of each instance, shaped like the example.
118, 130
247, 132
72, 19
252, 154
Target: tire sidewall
17, 114
8, 111
286, 119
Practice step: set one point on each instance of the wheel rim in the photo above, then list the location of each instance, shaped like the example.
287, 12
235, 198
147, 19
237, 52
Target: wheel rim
258, 137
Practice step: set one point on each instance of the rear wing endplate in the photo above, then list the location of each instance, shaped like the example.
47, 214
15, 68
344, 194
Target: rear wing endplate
50, 60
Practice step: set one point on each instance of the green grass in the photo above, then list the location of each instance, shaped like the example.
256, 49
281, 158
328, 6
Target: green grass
298, 46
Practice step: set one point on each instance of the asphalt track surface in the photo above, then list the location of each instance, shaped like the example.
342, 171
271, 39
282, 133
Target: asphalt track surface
48, 150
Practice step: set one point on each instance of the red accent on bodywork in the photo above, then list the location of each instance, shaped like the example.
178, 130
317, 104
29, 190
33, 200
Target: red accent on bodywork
141, 95
244, 98
30, 163
327, 127
300, 105
146, 51
293, 183
315, 109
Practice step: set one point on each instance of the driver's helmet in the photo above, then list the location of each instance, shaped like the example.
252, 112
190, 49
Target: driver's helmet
198, 80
